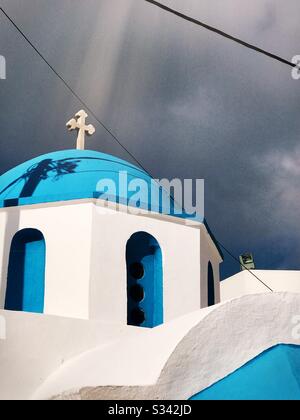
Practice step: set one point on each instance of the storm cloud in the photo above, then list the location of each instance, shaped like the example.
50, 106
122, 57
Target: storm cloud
186, 102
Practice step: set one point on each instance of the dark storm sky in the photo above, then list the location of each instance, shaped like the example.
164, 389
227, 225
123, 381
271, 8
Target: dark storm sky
186, 102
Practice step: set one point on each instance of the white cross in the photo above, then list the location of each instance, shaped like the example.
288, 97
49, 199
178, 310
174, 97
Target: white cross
78, 123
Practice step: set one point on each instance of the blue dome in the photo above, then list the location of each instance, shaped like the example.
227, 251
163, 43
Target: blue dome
64, 175
69, 175
273, 375
75, 174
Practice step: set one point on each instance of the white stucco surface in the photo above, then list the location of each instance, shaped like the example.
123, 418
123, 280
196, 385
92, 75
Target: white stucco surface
86, 275
67, 231
244, 283
45, 356
36, 345
186, 251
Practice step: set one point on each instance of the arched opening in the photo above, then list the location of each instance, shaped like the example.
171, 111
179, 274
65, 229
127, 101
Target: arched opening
144, 281
210, 285
26, 272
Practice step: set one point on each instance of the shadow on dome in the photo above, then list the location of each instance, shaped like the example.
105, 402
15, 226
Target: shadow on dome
32, 181
37, 173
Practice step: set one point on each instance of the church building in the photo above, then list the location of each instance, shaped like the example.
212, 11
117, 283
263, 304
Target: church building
101, 300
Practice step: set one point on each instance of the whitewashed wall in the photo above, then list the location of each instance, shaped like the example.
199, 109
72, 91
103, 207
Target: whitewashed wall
180, 246
244, 283
45, 356
209, 253
86, 264
67, 232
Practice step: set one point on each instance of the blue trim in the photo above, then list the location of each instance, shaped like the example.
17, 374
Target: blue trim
274, 375
26, 272
143, 249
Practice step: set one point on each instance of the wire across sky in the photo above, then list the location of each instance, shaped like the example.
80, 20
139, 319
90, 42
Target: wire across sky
104, 126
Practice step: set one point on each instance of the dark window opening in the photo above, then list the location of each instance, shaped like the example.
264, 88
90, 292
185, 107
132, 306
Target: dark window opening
137, 270
137, 293
210, 285
144, 281
137, 316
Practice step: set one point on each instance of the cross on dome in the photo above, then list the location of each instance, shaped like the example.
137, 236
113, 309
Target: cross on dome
79, 123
